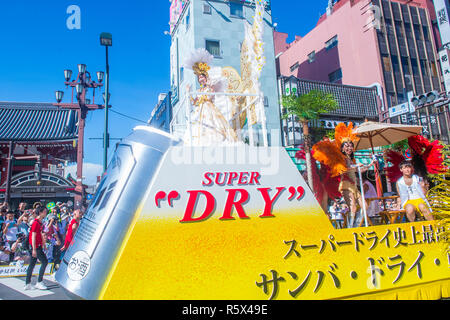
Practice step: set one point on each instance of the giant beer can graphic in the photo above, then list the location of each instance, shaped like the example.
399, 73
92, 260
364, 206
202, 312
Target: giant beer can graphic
175, 222
110, 214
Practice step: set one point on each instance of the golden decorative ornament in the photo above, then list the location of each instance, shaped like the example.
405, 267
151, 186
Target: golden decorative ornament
201, 68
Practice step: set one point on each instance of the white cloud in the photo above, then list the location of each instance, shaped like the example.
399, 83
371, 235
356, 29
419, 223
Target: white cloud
90, 172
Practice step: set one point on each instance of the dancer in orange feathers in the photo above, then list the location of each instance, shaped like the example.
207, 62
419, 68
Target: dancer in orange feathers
338, 155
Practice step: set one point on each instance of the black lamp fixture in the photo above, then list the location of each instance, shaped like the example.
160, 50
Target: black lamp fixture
100, 76
67, 75
79, 88
59, 95
82, 68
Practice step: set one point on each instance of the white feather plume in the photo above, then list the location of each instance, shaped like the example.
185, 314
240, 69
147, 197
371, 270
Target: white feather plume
199, 55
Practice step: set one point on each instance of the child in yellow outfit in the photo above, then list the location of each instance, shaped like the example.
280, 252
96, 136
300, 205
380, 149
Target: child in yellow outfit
411, 189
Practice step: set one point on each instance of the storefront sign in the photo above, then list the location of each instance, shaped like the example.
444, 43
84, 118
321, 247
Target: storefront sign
400, 109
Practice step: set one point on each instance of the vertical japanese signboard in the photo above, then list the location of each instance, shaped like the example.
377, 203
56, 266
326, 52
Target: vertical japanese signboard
442, 15
445, 65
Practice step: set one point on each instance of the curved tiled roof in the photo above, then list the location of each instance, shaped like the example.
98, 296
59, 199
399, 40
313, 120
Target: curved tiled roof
25, 121
353, 101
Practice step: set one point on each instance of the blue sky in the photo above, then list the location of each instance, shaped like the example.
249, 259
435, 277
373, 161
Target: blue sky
36, 46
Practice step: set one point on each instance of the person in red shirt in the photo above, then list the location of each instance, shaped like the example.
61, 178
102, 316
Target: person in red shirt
36, 240
71, 229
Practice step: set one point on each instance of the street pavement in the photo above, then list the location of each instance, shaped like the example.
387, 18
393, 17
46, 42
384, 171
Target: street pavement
13, 289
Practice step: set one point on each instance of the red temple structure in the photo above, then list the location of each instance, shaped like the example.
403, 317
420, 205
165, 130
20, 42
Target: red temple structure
42, 138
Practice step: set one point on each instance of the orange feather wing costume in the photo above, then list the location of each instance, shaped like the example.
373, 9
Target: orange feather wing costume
329, 152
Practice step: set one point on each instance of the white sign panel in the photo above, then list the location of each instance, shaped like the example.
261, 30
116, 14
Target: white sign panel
445, 65
400, 109
442, 16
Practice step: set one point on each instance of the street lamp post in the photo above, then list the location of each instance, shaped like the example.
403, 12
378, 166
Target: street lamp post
80, 87
106, 41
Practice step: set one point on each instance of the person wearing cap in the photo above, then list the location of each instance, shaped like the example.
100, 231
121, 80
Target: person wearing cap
37, 205
411, 189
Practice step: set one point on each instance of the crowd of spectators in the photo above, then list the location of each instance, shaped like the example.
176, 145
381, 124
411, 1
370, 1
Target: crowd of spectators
15, 248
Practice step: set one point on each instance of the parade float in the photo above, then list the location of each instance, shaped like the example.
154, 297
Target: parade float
205, 216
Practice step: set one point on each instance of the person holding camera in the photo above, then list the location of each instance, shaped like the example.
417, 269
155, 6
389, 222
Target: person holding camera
22, 223
5, 252
51, 230
36, 241
19, 249
10, 231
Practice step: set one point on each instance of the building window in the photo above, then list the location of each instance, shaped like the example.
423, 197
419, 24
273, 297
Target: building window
415, 67
335, 76
395, 64
333, 42
387, 64
181, 74
312, 57
213, 47
434, 72
417, 33
236, 10
405, 65
424, 67
266, 101
206, 9
188, 19
399, 29
294, 66
401, 98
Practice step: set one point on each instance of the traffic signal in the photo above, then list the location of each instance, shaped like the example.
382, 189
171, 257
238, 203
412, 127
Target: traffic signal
425, 98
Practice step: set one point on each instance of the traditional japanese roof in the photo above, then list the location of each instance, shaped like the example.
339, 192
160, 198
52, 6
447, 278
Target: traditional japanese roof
353, 101
36, 122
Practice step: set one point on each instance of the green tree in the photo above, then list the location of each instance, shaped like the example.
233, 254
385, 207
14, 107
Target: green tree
305, 108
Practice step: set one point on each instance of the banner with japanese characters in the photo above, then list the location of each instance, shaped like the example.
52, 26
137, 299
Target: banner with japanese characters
20, 270
241, 223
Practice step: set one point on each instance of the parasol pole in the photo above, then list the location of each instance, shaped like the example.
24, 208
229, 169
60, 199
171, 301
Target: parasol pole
377, 172
362, 196
361, 187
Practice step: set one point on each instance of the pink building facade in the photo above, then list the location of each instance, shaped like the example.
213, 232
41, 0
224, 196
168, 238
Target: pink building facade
347, 46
